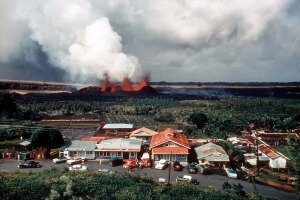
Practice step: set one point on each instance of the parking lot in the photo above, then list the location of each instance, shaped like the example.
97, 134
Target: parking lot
213, 180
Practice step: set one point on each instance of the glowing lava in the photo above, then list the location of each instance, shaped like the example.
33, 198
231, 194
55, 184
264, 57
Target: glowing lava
108, 86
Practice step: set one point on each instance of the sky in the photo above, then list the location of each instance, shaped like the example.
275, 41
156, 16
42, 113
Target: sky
178, 41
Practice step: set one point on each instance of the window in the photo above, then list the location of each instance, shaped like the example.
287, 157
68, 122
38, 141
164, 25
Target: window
132, 154
171, 144
119, 154
104, 154
89, 152
180, 156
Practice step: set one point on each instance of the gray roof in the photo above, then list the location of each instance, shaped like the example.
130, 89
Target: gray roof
118, 126
211, 152
80, 145
122, 144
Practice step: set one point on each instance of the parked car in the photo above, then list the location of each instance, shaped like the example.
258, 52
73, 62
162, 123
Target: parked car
192, 169
106, 171
130, 164
162, 164
195, 168
145, 160
115, 162
60, 160
29, 164
177, 166
78, 168
187, 179
76, 160
231, 173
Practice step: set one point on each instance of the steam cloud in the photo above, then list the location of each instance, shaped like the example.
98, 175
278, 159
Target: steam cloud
75, 38
184, 40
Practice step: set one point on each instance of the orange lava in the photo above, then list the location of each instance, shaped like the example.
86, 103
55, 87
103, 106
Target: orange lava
127, 86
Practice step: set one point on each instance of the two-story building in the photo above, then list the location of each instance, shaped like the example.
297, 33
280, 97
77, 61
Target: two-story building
170, 145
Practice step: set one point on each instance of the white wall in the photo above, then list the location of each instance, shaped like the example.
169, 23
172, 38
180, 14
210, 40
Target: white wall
279, 162
89, 155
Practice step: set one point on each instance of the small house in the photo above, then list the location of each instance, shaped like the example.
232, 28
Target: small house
143, 133
276, 159
79, 148
212, 154
117, 130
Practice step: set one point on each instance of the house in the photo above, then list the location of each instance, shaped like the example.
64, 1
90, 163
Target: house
79, 148
272, 138
117, 130
170, 145
144, 133
126, 148
276, 159
212, 154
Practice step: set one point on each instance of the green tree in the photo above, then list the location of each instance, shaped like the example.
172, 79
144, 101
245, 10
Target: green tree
8, 106
46, 137
198, 118
164, 117
294, 146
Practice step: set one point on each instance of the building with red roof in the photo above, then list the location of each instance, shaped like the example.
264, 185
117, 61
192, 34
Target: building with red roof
276, 159
170, 145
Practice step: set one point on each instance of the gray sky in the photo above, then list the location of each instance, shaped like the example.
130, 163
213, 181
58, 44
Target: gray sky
192, 40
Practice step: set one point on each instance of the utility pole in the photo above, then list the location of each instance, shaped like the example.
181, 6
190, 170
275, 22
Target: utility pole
257, 158
170, 165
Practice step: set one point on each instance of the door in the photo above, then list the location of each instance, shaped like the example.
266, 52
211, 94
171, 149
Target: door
125, 155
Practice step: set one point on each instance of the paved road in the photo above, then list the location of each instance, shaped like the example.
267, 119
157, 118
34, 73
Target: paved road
205, 180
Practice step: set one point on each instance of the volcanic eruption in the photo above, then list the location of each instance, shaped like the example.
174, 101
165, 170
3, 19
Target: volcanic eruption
127, 86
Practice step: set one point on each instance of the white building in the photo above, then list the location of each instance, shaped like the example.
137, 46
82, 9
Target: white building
126, 148
79, 148
276, 159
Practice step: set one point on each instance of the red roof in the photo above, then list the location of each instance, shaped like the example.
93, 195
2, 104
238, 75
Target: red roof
169, 135
97, 139
268, 151
170, 150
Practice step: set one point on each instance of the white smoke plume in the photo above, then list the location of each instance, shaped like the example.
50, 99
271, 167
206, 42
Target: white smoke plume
76, 39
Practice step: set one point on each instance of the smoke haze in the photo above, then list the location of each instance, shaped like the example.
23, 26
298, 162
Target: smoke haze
187, 40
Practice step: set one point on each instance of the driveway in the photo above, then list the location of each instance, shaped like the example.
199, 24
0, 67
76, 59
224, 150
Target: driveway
213, 180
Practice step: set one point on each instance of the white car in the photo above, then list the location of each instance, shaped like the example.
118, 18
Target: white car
76, 160
162, 164
60, 160
78, 168
230, 173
